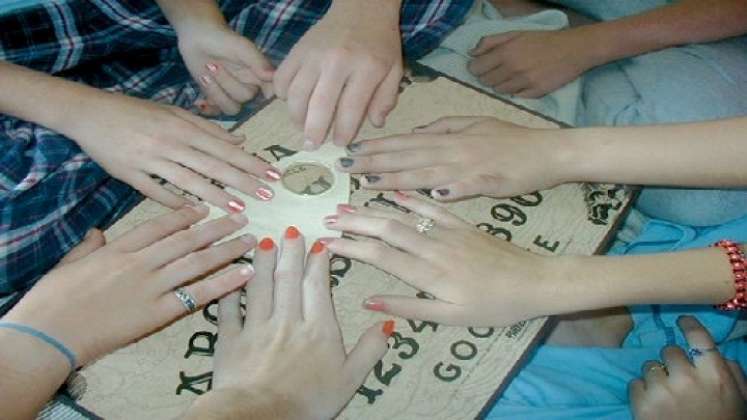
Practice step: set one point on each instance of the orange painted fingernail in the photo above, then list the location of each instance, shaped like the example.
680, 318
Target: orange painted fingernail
317, 248
374, 305
388, 328
266, 244
344, 208
292, 232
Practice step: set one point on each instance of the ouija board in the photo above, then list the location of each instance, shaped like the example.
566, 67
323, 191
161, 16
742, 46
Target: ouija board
431, 371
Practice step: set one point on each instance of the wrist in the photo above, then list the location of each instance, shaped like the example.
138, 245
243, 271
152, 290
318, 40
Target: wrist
250, 403
387, 10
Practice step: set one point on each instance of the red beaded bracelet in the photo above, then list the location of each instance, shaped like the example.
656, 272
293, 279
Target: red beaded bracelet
736, 259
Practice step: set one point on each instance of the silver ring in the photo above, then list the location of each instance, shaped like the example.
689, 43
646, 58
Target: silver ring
657, 365
694, 352
189, 302
424, 225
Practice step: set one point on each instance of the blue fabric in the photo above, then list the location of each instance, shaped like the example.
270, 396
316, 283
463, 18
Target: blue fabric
591, 382
8, 6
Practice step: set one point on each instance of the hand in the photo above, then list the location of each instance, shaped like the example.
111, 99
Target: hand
709, 387
530, 64
228, 67
477, 280
460, 157
290, 354
133, 138
350, 61
128, 285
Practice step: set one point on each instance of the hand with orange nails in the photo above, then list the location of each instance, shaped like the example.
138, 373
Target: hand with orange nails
104, 296
284, 358
347, 66
460, 157
698, 385
476, 279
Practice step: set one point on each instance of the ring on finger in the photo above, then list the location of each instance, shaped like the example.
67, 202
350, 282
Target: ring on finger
424, 225
654, 366
189, 301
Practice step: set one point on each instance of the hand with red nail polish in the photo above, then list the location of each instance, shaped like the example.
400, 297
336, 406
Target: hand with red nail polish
229, 69
477, 279
350, 60
285, 359
462, 157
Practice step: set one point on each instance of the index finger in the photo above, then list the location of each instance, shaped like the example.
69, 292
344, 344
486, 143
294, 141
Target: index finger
322, 106
162, 226
703, 350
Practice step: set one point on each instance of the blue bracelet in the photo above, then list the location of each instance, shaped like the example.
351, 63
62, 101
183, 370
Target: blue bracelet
33, 332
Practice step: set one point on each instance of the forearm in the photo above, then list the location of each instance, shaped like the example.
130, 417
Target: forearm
684, 22
46, 100
230, 404
382, 12
183, 14
700, 276
707, 154
31, 373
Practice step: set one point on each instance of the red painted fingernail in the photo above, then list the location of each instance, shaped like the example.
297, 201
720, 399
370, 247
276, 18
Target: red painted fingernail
345, 208
292, 232
236, 206
206, 80
317, 248
374, 305
212, 67
264, 194
329, 220
401, 195
266, 244
273, 174
388, 328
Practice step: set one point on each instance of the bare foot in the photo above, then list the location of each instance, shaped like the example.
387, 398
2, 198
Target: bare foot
94, 240
600, 328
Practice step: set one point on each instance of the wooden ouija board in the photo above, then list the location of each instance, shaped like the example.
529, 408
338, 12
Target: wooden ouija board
431, 371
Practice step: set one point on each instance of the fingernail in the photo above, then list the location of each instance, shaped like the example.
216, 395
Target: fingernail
239, 218
266, 244
198, 207
372, 179
292, 232
330, 220
247, 270
687, 322
354, 147
308, 145
264, 194
443, 192
236, 206
400, 195
374, 305
388, 328
346, 162
213, 68
345, 208
248, 239
317, 248
326, 241
205, 80
273, 174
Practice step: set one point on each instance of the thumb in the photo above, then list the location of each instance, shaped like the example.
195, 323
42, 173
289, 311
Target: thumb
739, 378
369, 349
487, 43
446, 125
252, 57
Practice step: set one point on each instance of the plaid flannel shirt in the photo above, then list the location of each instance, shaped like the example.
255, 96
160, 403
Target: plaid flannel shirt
51, 193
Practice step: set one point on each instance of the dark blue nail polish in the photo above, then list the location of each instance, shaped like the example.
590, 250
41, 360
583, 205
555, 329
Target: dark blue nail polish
346, 162
353, 147
443, 192
372, 179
